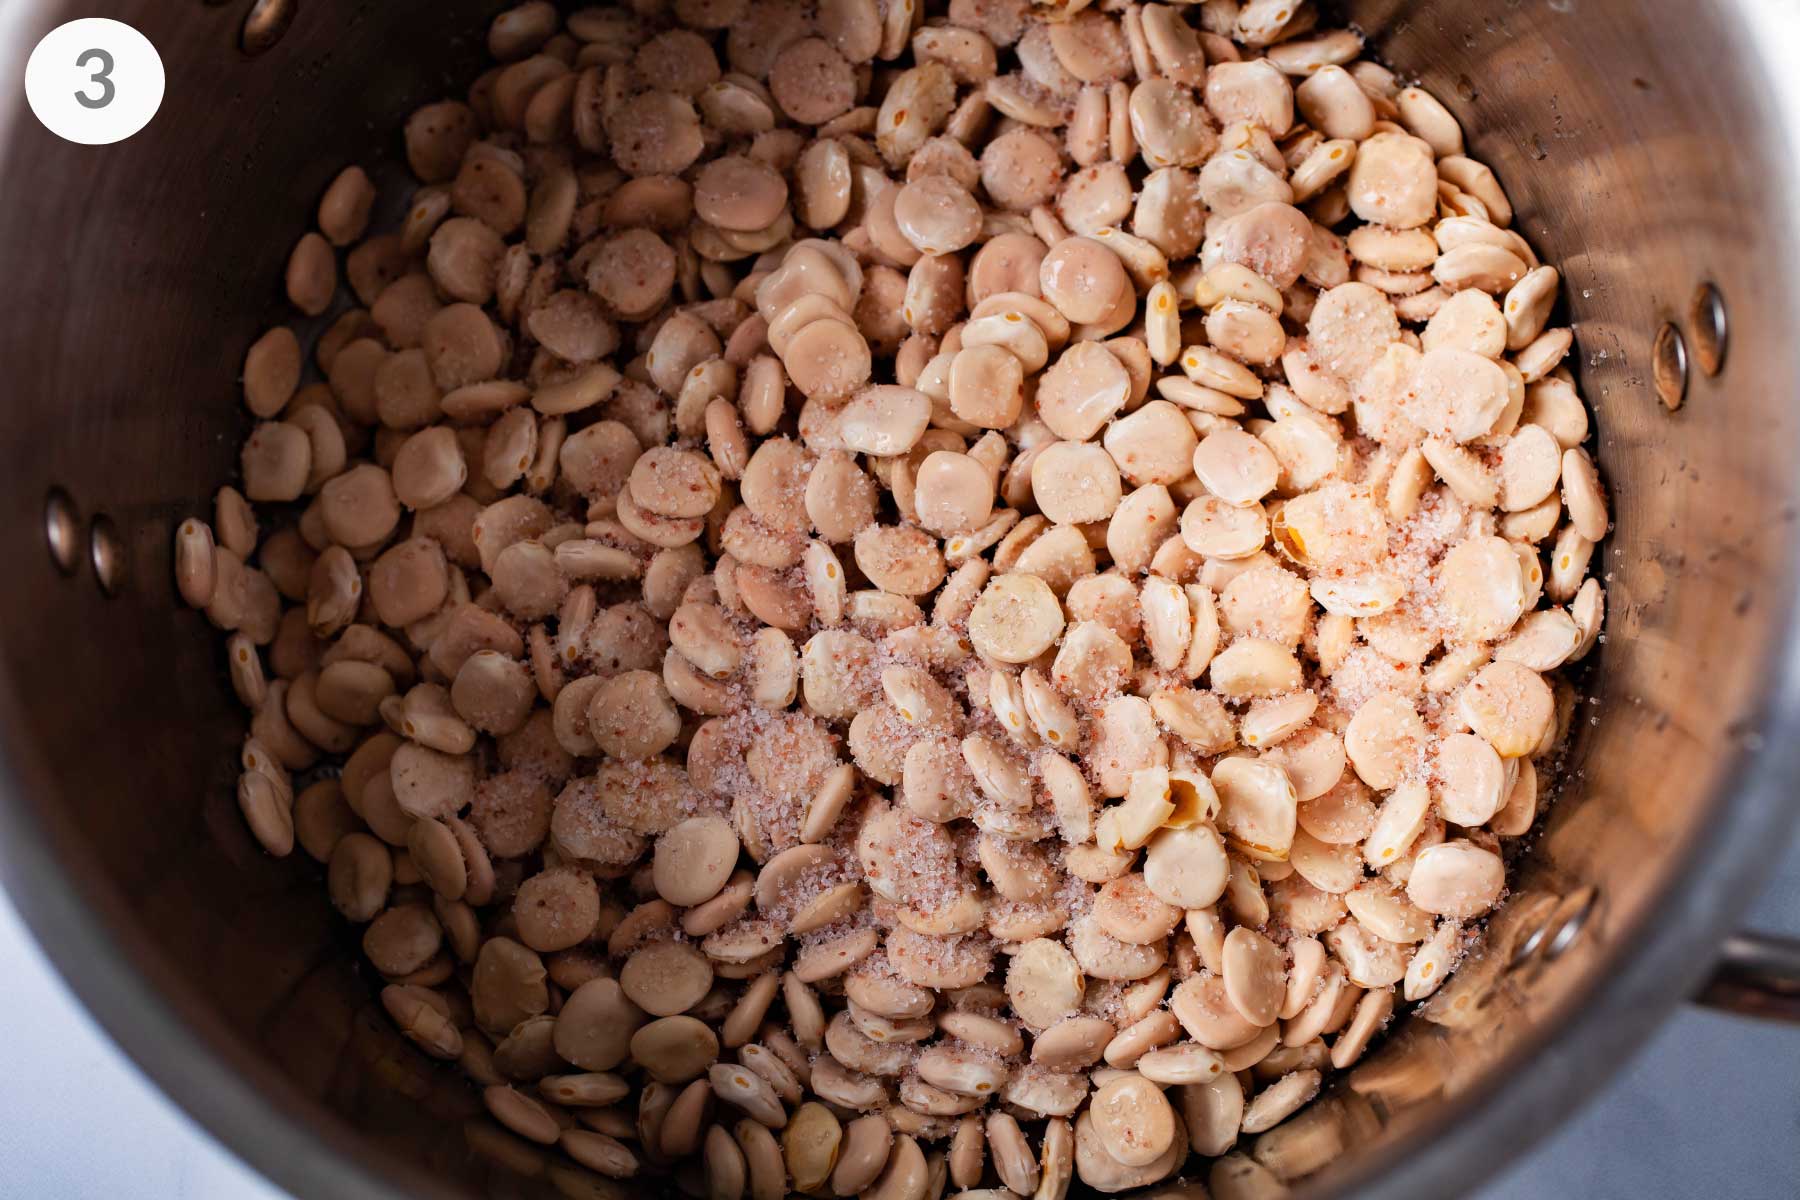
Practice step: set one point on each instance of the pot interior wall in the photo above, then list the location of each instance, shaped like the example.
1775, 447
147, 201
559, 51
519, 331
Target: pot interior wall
140, 272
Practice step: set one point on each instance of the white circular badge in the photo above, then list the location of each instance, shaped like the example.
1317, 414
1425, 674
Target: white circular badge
94, 81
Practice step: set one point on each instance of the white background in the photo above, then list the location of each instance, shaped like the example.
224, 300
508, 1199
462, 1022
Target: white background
1710, 1110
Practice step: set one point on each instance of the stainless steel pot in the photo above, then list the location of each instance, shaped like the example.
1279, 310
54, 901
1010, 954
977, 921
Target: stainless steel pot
1646, 156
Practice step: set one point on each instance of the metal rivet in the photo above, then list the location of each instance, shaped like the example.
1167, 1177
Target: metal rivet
1532, 915
1669, 366
1567, 922
268, 20
1526, 948
107, 552
1706, 316
62, 530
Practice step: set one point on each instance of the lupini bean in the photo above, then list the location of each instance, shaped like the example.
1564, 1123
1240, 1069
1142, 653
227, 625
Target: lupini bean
1133, 1120
657, 535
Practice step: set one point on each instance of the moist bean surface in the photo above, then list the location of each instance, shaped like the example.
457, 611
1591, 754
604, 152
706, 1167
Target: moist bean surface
907, 594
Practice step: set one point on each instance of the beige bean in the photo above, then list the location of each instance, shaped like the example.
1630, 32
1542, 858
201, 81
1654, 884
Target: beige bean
1083, 279
765, 1167
1272, 238
414, 1009
1480, 266
311, 275
598, 1152
746, 1090
267, 812
861, 1154
1255, 975
1582, 495
1082, 391
726, 1171
1477, 180
1394, 181
827, 358
783, 1063
1133, 1120
960, 1071
810, 1144
1511, 706
1384, 912
953, 493
739, 193
1076, 482
1016, 618
402, 939
905, 1176
674, 1049
1429, 965
1099, 1169
271, 371
556, 909
1527, 306
1322, 167
694, 859
196, 556
1186, 1063
1331, 101
1011, 1154
1235, 467
1280, 1100
1254, 667
1072, 1043
1046, 1092
595, 1024
322, 818
884, 420
438, 856
1044, 983
1250, 91
985, 386
674, 483
276, 461
1236, 180
937, 215
899, 559
522, 1114
1426, 118
934, 293
1382, 739
1171, 130
967, 1151
463, 258
1212, 1111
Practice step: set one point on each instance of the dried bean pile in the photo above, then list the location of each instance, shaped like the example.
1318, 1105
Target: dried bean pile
909, 597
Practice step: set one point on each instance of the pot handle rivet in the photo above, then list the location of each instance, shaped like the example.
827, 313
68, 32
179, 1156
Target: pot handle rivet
1706, 317
1566, 923
62, 530
1669, 366
106, 551
268, 20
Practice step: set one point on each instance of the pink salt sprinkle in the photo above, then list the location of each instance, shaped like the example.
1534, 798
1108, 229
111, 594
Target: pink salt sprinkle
926, 874
1365, 672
